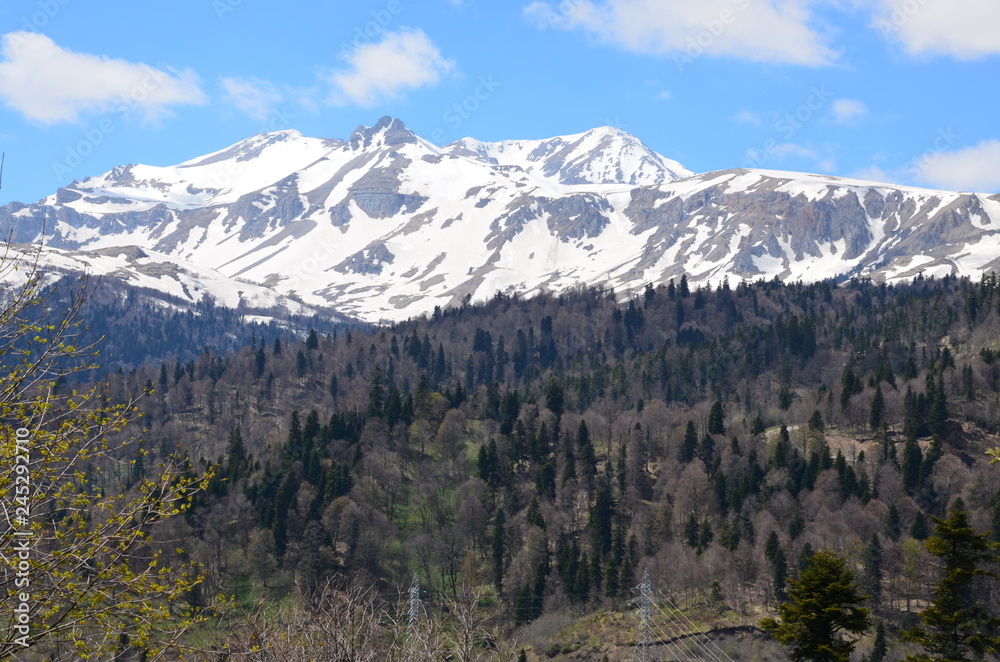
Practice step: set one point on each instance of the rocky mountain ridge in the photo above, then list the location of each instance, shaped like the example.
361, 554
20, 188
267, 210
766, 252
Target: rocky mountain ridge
384, 225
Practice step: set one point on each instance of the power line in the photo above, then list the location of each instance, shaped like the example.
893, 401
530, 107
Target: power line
722, 656
645, 619
414, 615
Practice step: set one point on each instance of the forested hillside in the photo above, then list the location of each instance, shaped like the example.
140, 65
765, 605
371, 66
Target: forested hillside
545, 452
132, 326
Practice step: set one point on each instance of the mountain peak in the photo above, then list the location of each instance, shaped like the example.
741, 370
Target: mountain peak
610, 130
388, 226
604, 155
387, 132
246, 149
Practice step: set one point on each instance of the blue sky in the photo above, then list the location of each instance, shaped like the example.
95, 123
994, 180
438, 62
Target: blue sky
904, 91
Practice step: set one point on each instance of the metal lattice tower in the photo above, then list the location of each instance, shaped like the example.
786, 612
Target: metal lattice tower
645, 636
414, 616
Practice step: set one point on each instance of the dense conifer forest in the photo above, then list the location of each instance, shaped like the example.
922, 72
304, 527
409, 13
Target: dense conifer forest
541, 455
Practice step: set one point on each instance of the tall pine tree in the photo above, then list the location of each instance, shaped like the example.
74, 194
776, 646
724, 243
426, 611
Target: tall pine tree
958, 625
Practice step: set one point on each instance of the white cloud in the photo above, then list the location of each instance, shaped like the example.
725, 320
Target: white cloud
383, 71
846, 111
744, 117
664, 95
253, 96
971, 169
965, 29
49, 84
778, 31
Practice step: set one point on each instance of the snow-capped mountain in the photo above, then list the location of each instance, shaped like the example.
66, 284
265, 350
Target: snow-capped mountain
599, 156
385, 225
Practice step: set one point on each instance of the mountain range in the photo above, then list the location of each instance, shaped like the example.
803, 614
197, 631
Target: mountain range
385, 226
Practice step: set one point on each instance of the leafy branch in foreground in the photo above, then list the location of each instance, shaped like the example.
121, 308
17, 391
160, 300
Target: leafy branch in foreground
82, 572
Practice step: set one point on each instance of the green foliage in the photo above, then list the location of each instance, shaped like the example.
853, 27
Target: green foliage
823, 603
83, 496
880, 648
957, 625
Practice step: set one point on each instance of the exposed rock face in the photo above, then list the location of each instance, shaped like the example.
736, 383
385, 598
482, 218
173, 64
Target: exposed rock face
386, 226
368, 261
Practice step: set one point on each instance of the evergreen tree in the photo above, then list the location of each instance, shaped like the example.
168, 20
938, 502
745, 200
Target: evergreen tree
816, 421
911, 416
937, 417
555, 398
729, 534
771, 546
691, 532
919, 530
968, 383
805, 556
689, 446
533, 515
822, 604
706, 535
850, 385
611, 578
873, 570
892, 523
879, 649
683, 289
877, 414
236, 455
376, 393
260, 361
600, 521
783, 447
779, 574
957, 625
706, 450
910, 466
716, 419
